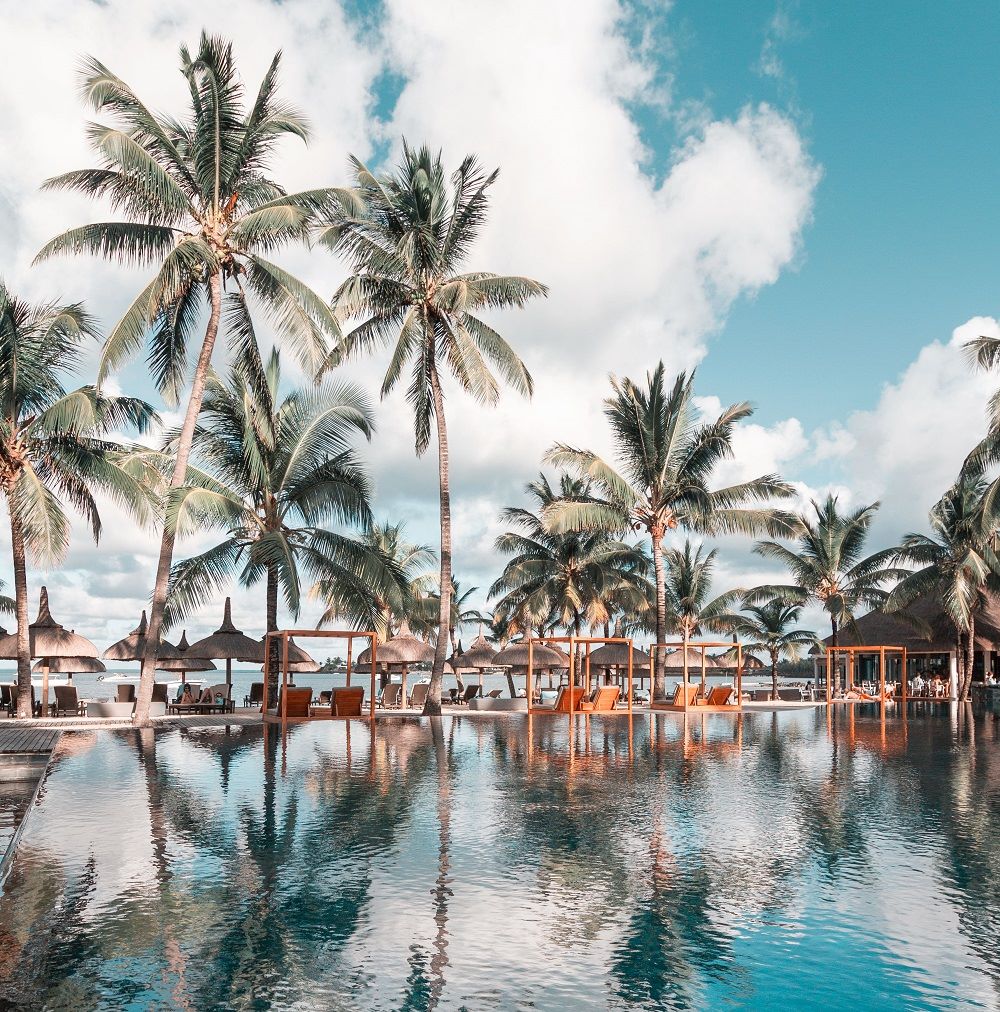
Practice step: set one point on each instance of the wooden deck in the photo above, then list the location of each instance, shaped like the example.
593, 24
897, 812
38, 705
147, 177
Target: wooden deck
21, 740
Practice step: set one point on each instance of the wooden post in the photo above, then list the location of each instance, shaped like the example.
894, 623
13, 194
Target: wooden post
371, 702
704, 694
572, 676
284, 679
529, 682
350, 643
829, 674
630, 694
881, 681
45, 687
267, 674
739, 674
903, 686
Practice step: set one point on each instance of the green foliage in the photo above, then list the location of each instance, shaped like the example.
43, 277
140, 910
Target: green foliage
56, 446
828, 564
271, 473
198, 203
569, 579
406, 236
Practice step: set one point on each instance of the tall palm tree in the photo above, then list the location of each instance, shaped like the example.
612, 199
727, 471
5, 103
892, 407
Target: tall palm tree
407, 244
828, 564
200, 209
571, 579
395, 601
956, 563
667, 458
270, 472
768, 627
691, 609
54, 445
462, 614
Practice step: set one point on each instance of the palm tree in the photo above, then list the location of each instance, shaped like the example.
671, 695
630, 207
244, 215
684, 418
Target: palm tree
667, 459
407, 244
690, 607
200, 208
270, 472
54, 446
6, 603
956, 563
462, 614
569, 579
395, 601
828, 565
767, 627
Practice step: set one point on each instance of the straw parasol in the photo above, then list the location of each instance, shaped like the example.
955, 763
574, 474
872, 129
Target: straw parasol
47, 640
133, 646
184, 662
674, 660
404, 649
71, 666
229, 644
299, 662
479, 656
515, 655
615, 655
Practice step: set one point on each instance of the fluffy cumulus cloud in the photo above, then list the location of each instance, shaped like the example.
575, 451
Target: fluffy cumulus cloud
640, 268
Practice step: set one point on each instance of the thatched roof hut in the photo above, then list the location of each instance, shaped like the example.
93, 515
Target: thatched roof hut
47, 638
133, 646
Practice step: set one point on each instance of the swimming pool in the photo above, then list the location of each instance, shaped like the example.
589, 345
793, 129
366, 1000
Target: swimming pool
795, 859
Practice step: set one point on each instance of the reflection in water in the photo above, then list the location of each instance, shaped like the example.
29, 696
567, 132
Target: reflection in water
823, 859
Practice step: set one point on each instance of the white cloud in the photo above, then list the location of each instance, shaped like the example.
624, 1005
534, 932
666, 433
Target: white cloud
640, 269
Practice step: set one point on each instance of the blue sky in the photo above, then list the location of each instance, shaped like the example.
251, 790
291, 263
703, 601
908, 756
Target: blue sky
797, 197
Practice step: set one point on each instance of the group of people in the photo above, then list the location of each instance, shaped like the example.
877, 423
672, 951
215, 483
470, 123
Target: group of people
935, 687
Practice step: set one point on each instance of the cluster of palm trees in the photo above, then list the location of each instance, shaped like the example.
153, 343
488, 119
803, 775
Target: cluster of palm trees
276, 473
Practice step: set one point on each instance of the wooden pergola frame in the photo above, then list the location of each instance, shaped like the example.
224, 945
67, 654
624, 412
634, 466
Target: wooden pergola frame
284, 635
850, 652
702, 645
574, 642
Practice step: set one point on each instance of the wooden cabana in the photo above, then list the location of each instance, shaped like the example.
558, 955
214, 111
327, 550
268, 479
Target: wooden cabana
285, 661
851, 655
684, 697
573, 644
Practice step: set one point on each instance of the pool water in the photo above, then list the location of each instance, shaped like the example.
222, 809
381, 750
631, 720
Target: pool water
796, 860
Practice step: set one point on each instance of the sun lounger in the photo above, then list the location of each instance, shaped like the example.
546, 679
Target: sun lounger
126, 693
603, 700
419, 695
719, 696
471, 691
159, 692
297, 700
561, 704
67, 701
256, 697
391, 694
681, 698
494, 693
347, 701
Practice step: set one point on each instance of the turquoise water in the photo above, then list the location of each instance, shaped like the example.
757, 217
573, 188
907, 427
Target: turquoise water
728, 862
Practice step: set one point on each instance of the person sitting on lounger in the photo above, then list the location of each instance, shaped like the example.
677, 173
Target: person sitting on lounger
187, 697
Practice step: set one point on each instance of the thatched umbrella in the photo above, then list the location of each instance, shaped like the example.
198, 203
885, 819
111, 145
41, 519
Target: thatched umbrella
229, 644
615, 655
47, 640
685, 658
299, 662
478, 657
404, 649
543, 657
184, 662
71, 666
133, 646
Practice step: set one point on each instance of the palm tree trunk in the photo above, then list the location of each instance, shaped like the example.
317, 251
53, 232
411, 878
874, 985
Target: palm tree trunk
272, 625
970, 660
21, 610
774, 674
432, 707
659, 691
834, 670
145, 694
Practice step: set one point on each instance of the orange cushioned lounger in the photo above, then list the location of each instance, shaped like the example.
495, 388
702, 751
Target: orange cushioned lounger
606, 698
719, 696
561, 704
348, 701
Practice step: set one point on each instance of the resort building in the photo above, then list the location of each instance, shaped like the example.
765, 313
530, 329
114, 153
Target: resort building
930, 640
